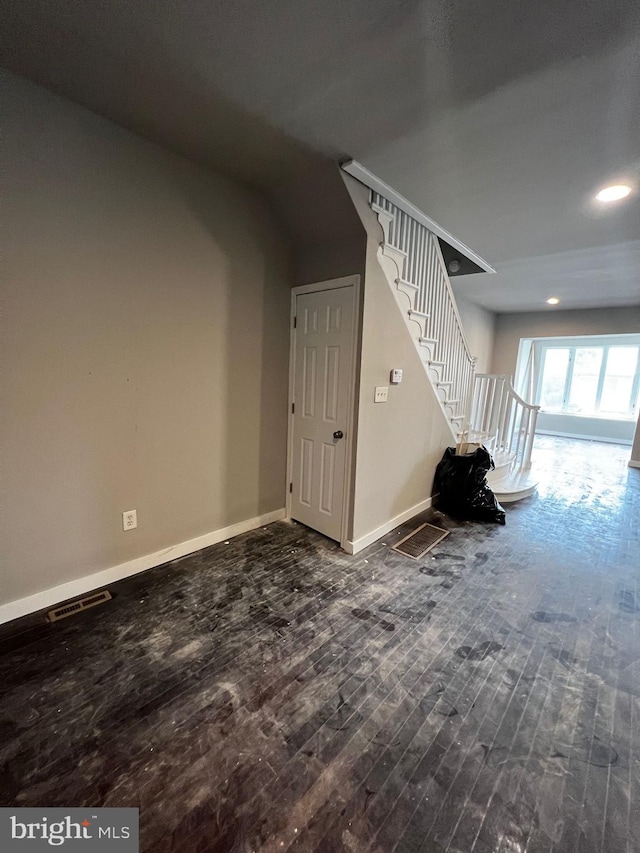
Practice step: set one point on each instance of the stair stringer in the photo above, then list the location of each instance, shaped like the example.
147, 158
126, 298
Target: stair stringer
391, 262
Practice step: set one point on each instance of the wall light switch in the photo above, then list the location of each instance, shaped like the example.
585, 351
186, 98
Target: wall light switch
381, 394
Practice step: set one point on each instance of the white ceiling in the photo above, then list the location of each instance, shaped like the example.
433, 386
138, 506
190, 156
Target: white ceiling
499, 120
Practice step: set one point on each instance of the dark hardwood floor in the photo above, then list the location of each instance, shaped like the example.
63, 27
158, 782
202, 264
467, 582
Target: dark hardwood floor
273, 693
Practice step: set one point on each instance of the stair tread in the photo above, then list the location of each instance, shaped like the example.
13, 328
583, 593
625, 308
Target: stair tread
501, 458
477, 437
514, 485
377, 209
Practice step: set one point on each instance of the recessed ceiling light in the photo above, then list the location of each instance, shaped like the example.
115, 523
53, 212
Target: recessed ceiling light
553, 300
614, 193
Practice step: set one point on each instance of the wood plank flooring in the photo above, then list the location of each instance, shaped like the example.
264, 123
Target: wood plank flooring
275, 694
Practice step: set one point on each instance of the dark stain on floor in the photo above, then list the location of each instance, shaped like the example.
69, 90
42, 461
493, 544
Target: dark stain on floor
367, 614
546, 616
479, 652
276, 694
628, 602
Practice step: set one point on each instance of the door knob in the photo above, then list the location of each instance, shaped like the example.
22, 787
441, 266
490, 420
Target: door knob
338, 434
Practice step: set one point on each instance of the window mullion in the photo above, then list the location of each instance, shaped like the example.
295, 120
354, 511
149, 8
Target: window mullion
603, 370
568, 379
635, 387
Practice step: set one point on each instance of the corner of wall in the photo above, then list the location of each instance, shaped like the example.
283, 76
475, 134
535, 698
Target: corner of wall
635, 450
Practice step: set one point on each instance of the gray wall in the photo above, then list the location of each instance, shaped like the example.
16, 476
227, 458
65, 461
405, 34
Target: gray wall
479, 329
327, 237
599, 429
510, 328
145, 346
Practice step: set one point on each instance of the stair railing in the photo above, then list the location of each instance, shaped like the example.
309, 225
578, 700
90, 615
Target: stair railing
498, 410
425, 279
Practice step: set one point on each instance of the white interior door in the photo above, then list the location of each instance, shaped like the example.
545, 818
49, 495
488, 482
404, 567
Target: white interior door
323, 353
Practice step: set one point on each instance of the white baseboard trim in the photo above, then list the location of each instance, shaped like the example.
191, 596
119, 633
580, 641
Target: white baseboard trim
353, 546
65, 591
584, 437
634, 464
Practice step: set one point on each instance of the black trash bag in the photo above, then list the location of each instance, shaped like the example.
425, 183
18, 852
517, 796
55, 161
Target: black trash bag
461, 485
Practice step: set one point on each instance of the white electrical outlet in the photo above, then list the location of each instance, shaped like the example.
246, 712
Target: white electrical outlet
381, 394
129, 519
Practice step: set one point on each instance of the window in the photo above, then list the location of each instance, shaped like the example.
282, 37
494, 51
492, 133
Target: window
583, 389
600, 380
554, 375
621, 372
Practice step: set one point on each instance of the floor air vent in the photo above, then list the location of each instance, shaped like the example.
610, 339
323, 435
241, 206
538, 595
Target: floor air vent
79, 605
420, 540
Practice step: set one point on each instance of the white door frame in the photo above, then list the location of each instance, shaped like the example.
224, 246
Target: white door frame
331, 284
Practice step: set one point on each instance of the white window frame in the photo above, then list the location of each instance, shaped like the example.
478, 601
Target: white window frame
601, 342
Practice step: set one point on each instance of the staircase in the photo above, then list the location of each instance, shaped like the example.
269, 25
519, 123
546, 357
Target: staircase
500, 413
411, 258
482, 409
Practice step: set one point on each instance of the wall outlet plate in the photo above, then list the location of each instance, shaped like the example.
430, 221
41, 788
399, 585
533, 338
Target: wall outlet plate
381, 394
129, 519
